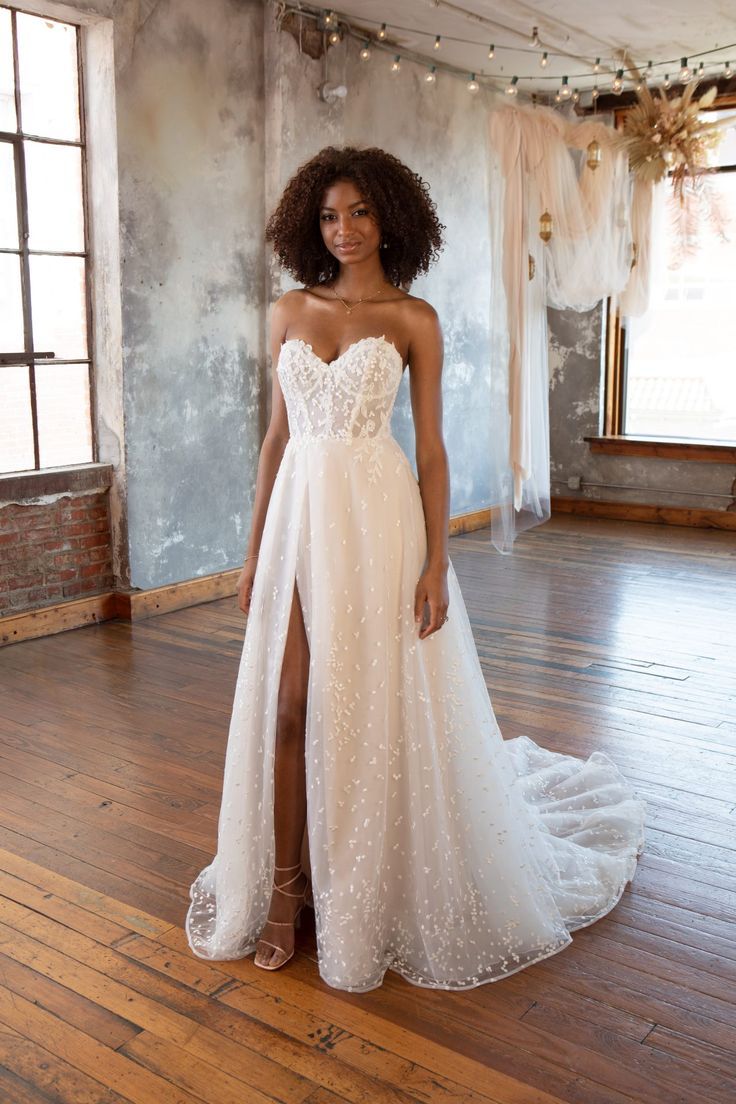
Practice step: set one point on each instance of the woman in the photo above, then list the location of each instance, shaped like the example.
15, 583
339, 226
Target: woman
362, 733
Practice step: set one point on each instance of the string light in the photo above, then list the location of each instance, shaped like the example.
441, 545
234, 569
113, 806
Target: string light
472, 84
431, 77
558, 97
511, 89
328, 20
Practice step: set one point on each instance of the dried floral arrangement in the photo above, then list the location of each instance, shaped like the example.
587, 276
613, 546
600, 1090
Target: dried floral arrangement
665, 135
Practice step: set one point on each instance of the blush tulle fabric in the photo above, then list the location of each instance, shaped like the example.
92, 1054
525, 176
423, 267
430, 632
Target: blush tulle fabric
437, 849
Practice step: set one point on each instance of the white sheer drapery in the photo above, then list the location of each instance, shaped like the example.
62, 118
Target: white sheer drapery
537, 163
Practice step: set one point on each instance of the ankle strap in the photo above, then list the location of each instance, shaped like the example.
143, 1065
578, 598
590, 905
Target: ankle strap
293, 867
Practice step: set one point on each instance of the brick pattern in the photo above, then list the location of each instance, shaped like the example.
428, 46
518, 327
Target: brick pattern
54, 552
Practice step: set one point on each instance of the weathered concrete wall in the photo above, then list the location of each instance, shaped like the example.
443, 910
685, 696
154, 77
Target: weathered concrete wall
576, 375
434, 131
190, 129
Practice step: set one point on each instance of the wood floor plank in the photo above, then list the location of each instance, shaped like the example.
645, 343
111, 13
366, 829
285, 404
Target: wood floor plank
594, 635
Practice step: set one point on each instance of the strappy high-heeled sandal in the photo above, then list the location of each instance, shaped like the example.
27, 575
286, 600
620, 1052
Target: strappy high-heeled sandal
285, 923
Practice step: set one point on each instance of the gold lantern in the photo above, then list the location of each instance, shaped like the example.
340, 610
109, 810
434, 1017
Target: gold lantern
595, 154
545, 226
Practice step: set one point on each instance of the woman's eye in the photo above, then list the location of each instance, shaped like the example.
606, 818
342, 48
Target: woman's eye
361, 211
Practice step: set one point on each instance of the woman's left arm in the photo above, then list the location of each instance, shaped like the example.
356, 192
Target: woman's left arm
426, 354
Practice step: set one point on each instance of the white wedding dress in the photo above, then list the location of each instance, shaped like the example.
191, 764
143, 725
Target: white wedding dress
437, 849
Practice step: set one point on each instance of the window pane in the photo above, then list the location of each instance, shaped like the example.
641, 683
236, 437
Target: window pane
725, 151
16, 429
49, 83
64, 424
54, 179
8, 120
680, 377
58, 305
8, 205
11, 308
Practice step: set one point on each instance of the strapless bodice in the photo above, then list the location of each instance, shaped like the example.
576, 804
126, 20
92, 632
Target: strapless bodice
346, 398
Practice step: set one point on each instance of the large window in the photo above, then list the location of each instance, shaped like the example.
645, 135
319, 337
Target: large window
45, 367
675, 370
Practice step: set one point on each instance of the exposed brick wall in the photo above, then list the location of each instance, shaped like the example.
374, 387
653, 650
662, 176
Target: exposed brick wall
54, 551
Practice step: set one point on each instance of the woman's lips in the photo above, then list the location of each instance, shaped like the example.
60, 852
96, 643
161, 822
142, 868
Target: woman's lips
348, 248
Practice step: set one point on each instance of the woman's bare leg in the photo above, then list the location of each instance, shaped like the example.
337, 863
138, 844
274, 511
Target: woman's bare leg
290, 799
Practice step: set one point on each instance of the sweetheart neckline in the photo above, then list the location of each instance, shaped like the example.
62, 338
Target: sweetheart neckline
344, 353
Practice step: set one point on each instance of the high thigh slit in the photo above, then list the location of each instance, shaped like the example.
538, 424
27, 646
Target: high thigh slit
438, 849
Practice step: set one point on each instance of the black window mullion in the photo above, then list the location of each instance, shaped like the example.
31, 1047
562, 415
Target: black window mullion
25, 271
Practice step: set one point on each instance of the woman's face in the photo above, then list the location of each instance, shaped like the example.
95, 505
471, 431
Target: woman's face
348, 223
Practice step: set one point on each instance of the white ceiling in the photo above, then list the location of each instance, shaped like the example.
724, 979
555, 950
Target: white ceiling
660, 30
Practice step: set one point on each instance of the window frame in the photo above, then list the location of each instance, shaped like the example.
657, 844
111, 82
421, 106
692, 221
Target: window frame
30, 356
612, 439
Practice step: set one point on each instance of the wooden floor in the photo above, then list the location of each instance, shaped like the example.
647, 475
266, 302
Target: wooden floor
594, 635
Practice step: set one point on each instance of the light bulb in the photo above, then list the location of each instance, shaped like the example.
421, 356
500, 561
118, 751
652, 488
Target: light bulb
334, 38
701, 69
667, 83
728, 71
511, 89
594, 93
576, 96
382, 32
472, 84
638, 86
365, 53
558, 97
685, 71
330, 19
491, 52
544, 60
617, 83
534, 40
597, 66
648, 71
396, 64
565, 90
437, 42
431, 76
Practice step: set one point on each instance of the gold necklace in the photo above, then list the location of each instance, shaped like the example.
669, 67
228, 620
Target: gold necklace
357, 301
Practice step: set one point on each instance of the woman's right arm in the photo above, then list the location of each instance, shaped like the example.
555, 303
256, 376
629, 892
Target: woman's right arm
269, 460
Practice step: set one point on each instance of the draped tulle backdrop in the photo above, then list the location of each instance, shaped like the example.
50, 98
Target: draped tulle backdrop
537, 162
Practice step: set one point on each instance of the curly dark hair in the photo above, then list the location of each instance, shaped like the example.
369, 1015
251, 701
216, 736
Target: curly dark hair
405, 211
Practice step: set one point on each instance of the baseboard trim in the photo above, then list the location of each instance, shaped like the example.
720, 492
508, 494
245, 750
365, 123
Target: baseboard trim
641, 511
137, 605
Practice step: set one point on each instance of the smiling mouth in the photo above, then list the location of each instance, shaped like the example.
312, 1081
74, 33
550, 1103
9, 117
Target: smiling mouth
348, 245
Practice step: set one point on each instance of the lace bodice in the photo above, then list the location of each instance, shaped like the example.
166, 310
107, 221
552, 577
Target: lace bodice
347, 398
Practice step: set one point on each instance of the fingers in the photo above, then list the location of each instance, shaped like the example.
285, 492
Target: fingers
437, 618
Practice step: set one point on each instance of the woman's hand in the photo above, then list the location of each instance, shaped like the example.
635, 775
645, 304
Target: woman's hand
432, 590
245, 584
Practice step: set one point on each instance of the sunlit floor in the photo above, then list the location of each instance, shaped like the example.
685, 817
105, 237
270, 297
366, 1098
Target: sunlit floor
593, 635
